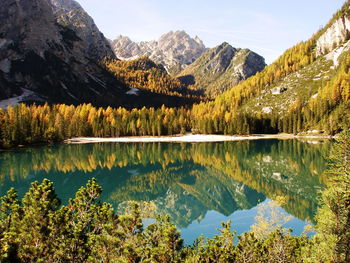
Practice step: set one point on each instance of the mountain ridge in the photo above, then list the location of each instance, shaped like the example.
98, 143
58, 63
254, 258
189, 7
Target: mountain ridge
173, 50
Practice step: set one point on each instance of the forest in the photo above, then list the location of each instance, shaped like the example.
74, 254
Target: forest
23, 124
38, 229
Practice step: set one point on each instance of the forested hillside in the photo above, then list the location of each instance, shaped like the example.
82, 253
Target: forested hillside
144, 74
296, 93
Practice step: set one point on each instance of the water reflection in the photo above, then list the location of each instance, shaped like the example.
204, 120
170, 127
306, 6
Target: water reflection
184, 180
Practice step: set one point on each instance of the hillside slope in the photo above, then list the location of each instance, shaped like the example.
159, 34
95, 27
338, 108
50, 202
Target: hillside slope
307, 88
144, 74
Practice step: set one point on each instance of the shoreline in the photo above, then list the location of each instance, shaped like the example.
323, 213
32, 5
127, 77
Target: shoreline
191, 138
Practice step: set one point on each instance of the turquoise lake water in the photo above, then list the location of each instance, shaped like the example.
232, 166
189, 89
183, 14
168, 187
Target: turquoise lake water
199, 185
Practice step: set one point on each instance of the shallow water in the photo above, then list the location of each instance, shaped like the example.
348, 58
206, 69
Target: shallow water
199, 185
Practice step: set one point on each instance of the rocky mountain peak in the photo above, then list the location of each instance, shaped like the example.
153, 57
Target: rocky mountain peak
70, 14
122, 38
66, 4
198, 40
173, 50
221, 57
222, 67
127, 49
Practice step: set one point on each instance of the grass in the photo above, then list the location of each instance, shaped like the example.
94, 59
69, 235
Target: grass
301, 85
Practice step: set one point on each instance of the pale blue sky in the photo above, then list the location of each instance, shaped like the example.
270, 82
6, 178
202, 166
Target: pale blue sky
267, 27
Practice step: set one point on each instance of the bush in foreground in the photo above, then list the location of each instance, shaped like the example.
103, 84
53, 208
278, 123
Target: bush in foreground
38, 229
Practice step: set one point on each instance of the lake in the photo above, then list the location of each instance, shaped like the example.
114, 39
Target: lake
199, 185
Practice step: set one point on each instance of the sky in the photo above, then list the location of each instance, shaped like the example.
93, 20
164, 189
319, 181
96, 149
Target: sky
268, 27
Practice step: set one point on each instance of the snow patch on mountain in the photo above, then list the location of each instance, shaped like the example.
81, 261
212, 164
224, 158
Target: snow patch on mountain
27, 94
133, 91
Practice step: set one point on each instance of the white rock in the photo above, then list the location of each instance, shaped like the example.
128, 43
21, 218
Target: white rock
335, 54
133, 91
267, 159
267, 110
278, 90
278, 176
334, 36
16, 99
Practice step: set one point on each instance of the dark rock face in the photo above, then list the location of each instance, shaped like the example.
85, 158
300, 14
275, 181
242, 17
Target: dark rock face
253, 64
70, 14
48, 58
220, 68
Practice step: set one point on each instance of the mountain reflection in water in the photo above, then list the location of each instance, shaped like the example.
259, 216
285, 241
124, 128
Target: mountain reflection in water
185, 180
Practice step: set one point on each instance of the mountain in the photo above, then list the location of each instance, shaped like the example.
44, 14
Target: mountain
220, 68
173, 50
47, 60
306, 90
70, 14
186, 192
50, 51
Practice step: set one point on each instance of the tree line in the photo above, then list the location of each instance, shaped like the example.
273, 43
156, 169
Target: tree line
23, 124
